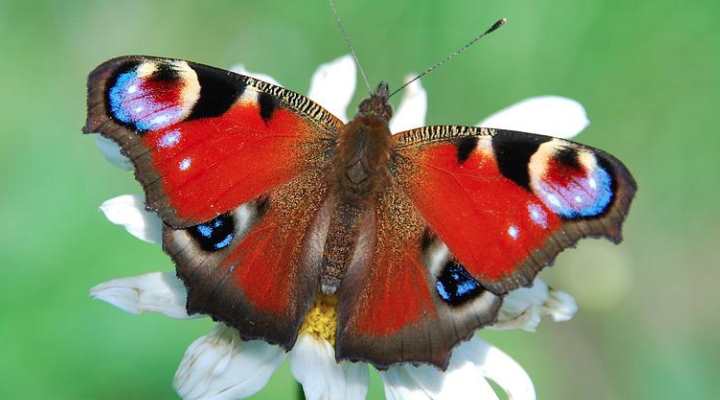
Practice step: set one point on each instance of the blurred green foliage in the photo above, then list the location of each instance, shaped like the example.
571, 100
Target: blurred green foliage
648, 73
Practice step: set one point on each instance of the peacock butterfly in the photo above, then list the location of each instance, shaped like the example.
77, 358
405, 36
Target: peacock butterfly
268, 201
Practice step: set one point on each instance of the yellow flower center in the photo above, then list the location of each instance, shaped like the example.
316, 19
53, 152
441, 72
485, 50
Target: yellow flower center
321, 320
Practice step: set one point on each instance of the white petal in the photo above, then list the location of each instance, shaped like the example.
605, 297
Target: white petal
221, 366
499, 367
547, 115
470, 364
333, 85
560, 306
519, 299
129, 211
112, 153
523, 308
527, 320
313, 364
240, 69
401, 385
464, 376
159, 292
413, 107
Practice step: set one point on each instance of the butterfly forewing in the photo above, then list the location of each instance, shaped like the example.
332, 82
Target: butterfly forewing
506, 203
205, 140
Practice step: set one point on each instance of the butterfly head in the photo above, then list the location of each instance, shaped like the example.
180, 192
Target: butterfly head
377, 104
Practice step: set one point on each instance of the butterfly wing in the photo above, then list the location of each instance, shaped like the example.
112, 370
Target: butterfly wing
232, 165
472, 214
204, 140
506, 203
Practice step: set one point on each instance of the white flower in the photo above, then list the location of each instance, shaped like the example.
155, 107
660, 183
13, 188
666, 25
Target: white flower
222, 366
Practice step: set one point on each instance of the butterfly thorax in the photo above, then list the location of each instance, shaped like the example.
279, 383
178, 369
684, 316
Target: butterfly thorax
363, 149
360, 172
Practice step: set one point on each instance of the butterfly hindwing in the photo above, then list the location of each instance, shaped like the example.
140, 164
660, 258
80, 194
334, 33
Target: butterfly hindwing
256, 268
204, 140
390, 307
506, 203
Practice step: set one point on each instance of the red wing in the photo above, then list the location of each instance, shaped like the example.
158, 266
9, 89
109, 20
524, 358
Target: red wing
470, 214
203, 140
256, 268
233, 167
389, 310
506, 203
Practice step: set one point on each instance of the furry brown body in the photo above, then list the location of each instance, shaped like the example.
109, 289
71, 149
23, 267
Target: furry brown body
360, 171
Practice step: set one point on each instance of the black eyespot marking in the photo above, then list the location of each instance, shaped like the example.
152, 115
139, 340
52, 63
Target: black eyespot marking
455, 285
218, 91
513, 152
214, 235
165, 72
267, 106
465, 147
568, 157
125, 67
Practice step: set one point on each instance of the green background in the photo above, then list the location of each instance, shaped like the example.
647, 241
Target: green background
648, 73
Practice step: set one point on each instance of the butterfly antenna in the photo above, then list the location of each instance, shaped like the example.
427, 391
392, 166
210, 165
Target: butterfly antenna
347, 41
452, 55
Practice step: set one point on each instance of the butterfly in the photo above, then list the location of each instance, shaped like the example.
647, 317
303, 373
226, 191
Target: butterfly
268, 201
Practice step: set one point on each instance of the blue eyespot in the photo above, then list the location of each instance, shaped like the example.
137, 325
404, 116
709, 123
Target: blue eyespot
146, 103
214, 235
118, 92
583, 197
455, 285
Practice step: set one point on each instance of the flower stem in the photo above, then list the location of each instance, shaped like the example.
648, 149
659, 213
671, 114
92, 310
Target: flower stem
301, 394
